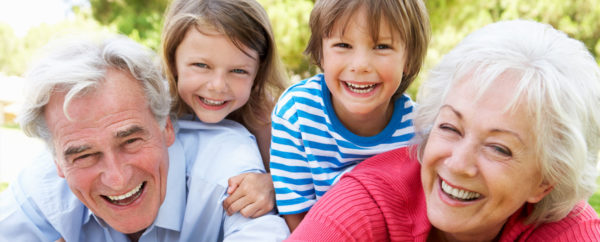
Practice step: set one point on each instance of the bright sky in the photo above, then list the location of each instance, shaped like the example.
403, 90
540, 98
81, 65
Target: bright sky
24, 14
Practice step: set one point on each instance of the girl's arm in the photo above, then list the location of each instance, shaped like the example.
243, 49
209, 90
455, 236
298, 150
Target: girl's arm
251, 194
262, 134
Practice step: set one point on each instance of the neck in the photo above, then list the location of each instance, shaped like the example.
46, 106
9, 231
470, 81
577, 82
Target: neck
134, 237
441, 236
367, 124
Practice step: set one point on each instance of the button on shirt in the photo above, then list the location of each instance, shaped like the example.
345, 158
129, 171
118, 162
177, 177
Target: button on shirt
39, 206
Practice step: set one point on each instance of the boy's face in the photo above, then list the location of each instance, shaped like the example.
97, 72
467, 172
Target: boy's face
362, 75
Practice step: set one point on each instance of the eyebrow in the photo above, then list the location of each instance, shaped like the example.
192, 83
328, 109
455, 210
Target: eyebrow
130, 131
457, 113
75, 150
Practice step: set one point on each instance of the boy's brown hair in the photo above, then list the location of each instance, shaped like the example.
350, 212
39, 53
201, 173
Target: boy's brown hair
409, 18
245, 23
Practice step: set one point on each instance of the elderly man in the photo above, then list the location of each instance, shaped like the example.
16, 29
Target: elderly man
130, 174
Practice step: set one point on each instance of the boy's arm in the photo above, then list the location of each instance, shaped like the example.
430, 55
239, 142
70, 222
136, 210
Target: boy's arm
293, 220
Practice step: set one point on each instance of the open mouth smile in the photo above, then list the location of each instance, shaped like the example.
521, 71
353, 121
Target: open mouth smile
360, 89
127, 198
211, 102
459, 194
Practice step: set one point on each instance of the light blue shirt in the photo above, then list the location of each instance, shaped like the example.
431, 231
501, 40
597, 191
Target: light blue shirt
39, 206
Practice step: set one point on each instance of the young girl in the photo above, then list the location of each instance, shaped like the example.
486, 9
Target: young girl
370, 52
221, 63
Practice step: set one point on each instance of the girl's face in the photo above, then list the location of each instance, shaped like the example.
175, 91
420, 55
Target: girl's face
214, 76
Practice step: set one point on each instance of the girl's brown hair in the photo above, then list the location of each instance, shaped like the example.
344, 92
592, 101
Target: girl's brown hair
409, 18
245, 23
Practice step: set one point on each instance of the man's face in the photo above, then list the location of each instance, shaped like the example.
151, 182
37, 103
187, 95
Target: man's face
112, 151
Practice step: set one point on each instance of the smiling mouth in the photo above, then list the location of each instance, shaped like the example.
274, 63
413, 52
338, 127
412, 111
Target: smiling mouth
360, 89
210, 102
459, 194
127, 198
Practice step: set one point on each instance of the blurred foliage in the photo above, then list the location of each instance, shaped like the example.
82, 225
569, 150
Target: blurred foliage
3, 186
141, 20
16, 53
289, 19
451, 21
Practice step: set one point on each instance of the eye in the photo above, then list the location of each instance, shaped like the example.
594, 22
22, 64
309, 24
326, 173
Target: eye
201, 65
501, 150
239, 71
382, 47
449, 128
131, 141
342, 45
82, 157
84, 160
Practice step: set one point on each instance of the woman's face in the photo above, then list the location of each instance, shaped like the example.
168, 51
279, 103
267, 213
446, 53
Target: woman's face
479, 164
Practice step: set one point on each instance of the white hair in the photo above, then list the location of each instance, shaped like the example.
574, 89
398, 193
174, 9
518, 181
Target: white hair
560, 85
78, 65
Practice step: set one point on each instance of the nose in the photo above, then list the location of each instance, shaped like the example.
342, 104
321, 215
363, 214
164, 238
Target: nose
115, 174
463, 159
361, 62
218, 83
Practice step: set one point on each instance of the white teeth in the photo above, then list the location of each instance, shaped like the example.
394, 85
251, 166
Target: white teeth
357, 88
126, 195
458, 193
212, 102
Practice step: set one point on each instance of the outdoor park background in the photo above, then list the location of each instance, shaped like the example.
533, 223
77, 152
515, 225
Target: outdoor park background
26, 25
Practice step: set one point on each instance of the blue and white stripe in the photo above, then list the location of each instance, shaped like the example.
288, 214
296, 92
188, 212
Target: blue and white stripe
311, 149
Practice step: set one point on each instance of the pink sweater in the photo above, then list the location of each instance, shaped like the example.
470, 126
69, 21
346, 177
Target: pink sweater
382, 200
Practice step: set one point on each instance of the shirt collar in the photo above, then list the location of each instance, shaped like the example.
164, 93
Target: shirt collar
171, 212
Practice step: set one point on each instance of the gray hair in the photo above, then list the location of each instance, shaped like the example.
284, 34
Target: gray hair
77, 66
560, 83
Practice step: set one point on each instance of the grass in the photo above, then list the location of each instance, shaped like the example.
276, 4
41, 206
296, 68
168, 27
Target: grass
10, 126
3, 185
595, 199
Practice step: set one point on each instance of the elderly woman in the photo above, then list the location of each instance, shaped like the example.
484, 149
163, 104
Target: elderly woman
509, 138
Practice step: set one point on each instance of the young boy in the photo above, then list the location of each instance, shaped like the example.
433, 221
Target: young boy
370, 52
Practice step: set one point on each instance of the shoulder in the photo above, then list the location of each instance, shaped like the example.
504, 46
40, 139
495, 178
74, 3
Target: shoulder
581, 224
43, 199
370, 202
308, 91
216, 152
396, 163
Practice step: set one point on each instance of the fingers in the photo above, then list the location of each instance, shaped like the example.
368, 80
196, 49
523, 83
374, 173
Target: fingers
235, 181
253, 195
238, 205
252, 211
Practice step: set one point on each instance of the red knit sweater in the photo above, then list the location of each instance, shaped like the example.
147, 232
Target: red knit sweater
382, 200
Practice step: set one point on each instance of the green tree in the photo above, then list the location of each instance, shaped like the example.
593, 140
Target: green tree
9, 50
452, 20
139, 19
143, 20
289, 19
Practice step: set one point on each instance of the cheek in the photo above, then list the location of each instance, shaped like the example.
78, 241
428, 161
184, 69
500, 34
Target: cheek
81, 181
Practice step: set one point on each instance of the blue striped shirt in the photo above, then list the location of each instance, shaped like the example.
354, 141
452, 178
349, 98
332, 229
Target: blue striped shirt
311, 148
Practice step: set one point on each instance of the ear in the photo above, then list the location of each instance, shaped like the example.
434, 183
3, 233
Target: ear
540, 192
58, 168
169, 132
